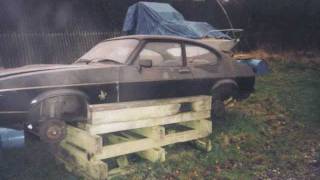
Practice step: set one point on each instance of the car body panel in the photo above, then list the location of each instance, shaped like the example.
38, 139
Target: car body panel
109, 82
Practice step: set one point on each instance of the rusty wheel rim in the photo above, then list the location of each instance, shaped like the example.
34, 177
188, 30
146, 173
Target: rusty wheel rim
54, 132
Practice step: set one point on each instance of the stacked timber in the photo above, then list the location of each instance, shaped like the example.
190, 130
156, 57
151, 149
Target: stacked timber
142, 127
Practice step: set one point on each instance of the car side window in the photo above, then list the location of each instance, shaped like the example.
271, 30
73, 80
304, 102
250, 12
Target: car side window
162, 54
197, 55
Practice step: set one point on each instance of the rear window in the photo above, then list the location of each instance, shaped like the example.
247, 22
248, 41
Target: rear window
199, 55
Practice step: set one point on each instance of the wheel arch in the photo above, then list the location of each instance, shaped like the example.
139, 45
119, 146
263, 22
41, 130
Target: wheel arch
58, 92
34, 110
225, 88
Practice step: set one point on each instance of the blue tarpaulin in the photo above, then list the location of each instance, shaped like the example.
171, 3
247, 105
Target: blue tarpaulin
162, 19
11, 138
260, 67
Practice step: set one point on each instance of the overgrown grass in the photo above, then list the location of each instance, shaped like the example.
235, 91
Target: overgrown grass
269, 135
273, 134
297, 88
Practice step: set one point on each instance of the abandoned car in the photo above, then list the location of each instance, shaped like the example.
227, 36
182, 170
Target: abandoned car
122, 69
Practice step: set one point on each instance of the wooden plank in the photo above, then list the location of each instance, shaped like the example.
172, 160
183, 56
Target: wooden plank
154, 155
133, 114
203, 144
122, 161
122, 105
121, 126
113, 139
203, 125
77, 162
83, 149
156, 132
119, 149
113, 173
184, 136
93, 170
115, 150
202, 105
206, 126
82, 139
77, 154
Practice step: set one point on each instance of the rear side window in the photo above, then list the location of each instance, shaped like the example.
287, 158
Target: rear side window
162, 53
197, 55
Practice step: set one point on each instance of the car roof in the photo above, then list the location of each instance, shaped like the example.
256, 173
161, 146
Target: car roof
156, 37
164, 37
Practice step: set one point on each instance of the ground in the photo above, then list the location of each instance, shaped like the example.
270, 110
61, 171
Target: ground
274, 134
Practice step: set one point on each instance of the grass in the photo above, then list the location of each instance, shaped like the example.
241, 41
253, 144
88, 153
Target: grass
273, 134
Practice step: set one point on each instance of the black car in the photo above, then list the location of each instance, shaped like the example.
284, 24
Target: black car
117, 70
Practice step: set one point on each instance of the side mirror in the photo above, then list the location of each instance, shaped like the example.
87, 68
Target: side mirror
146, 63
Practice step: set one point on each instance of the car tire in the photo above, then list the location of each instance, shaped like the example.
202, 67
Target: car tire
219, 95
218, 110
52, 131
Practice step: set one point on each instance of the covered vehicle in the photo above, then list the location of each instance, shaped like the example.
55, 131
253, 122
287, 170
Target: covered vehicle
150, 18
118, 70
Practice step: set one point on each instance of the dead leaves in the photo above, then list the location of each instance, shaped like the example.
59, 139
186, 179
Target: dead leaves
233, 139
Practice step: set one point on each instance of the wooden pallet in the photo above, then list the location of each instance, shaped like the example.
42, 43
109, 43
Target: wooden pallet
142, 127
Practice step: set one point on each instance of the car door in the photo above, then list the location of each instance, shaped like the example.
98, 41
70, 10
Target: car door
164, 79
205, 65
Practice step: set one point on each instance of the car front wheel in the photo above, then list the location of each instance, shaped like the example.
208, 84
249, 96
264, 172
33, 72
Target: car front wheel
219, 96
218, 110
52, 131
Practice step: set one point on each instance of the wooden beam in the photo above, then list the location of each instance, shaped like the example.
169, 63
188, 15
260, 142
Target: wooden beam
135, 104
201, 125
113, 173
133, 113
82, 139
202, 105
122, 126
156, 132
154, 155
115, 150
77, 154
203, 144
122, 161
76, 161
139, 128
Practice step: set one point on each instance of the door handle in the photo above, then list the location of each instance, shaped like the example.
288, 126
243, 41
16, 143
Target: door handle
184, 70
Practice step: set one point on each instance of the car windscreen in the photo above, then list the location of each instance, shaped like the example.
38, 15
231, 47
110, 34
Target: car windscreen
108, 51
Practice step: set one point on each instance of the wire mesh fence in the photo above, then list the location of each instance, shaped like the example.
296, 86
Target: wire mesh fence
18, 49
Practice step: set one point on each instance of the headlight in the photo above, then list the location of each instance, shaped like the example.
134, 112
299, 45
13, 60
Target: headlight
34, 101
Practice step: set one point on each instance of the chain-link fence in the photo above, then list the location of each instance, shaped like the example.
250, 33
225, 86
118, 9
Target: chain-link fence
20, 49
